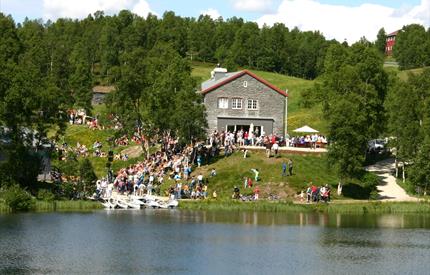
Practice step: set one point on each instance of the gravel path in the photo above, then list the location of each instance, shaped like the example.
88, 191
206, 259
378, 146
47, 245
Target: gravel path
389, 190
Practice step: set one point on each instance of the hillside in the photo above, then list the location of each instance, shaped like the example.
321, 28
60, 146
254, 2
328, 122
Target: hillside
297, 116
232, 170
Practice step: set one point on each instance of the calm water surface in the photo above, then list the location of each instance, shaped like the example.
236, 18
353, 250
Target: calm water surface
188, 242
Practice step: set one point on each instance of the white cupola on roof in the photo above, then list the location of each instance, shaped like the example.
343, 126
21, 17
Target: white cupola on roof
218, 73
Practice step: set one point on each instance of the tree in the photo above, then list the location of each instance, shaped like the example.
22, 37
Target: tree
243, 50
155, 93
380, 42
88, 178
356, 84
80, 80
410, 49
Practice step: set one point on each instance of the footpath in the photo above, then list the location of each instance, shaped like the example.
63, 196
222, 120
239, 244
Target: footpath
389, 190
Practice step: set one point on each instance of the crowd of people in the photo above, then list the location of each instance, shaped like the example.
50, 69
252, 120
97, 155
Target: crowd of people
172, 162
235, 139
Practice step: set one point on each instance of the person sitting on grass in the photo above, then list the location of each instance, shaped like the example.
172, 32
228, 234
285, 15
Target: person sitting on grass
214, 195
213, 172
236, 193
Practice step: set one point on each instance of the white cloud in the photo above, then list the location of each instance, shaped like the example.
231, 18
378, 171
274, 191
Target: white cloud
343, 22
54, 9
213, 13
265, 6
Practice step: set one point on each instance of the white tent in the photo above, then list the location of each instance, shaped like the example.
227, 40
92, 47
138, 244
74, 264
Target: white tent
305, 129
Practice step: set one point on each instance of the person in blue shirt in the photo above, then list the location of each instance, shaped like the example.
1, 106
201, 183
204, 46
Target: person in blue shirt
284, 169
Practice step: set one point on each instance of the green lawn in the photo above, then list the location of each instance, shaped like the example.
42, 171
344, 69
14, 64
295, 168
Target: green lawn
85, 135
231, 171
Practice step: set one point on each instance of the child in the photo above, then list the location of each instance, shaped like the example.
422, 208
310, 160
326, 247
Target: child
213, 172
249, 183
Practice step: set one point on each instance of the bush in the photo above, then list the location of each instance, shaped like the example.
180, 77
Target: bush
45, 195
370, 180
17, 198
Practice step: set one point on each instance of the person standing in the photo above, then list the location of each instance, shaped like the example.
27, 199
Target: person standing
256, 192
275, 148
284, 169
268, 147
290, 166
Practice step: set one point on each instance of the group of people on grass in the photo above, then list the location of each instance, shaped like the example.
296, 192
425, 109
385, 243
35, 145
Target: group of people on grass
172, 162
317, 193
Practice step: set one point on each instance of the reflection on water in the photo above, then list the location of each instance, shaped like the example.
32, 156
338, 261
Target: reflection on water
300, 219
198, 242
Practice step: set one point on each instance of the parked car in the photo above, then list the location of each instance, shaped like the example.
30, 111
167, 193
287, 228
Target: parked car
376, 145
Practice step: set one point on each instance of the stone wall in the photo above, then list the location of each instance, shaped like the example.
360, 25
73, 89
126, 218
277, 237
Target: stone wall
271, 104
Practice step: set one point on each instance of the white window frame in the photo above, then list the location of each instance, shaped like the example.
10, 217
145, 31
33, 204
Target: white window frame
236, 103
251, 103
222, 102
245, 83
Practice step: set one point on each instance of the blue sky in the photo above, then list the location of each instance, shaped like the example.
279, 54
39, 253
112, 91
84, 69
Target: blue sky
339, 19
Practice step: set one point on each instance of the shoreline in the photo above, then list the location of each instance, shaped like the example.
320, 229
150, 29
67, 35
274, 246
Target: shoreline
338, 206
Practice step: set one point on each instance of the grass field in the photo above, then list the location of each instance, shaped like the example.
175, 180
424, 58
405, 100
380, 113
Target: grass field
231, 171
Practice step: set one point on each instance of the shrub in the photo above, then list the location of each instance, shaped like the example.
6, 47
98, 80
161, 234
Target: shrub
17, 198
45, 195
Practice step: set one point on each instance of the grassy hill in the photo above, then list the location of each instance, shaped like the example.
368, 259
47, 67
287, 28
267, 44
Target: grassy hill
232, 170
297, 116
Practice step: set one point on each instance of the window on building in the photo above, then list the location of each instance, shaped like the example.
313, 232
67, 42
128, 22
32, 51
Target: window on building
236, 103
222, 102
245, 84
252, 104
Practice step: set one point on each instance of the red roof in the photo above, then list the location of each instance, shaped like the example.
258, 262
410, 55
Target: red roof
273, 87
393, 33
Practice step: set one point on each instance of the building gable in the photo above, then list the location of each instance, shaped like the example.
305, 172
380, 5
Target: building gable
237, 75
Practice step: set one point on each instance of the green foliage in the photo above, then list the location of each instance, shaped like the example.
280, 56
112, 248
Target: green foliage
45, 195
355, 85
22, 166
363, 188
16, 198
381, 41
156, 94
408, 108
412, 48
88, 178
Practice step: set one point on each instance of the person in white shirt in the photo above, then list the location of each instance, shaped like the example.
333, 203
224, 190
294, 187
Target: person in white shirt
275, 147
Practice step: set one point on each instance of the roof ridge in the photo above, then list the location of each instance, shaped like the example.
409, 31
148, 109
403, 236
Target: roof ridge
239, 74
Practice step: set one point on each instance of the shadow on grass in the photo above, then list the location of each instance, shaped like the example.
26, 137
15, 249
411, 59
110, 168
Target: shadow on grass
356, 191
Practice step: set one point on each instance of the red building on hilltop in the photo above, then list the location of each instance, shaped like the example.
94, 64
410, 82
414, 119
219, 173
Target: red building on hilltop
390, 42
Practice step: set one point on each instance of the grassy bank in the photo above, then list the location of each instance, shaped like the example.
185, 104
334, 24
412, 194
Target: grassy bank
42, 206
359, 207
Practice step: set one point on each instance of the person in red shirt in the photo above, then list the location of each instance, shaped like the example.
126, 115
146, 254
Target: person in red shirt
273, 140
256, 192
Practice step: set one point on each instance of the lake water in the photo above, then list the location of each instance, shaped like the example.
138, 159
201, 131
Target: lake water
197, 242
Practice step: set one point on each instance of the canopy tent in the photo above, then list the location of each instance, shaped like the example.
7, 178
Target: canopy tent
305, 129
